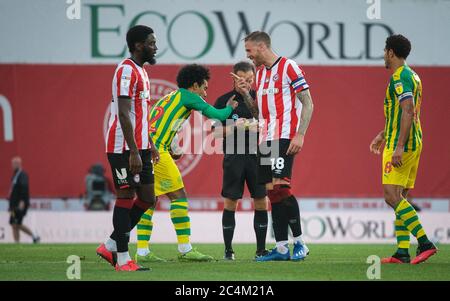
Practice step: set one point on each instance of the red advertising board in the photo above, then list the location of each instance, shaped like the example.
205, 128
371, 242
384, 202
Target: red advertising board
58, 112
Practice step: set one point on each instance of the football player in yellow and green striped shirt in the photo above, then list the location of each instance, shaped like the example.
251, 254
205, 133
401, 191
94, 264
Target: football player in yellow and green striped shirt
402, 136
166, 117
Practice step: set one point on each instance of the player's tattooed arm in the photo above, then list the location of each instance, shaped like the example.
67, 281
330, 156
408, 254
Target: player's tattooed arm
250, 103
307, 110
243, 88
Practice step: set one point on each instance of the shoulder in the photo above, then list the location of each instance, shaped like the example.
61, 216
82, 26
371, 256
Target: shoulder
126, 68
293, 67
189, 97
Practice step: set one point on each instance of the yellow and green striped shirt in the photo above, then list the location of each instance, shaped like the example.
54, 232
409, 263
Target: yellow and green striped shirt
404, 84
170, 112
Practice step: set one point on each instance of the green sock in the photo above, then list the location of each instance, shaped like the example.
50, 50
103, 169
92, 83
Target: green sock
408, 215
402, 235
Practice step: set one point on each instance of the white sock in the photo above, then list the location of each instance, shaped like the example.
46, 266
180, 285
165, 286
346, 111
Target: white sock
184, 248
123, 258
111, 245
143, 251
282, 246
299, 239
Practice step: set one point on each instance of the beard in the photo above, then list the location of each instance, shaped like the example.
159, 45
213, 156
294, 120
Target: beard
149, 57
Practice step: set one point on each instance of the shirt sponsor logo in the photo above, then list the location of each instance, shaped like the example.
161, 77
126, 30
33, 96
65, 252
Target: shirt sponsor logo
144, 94
270, 91
125, 83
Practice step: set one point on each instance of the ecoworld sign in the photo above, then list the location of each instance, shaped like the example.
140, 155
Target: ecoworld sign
308, 39
332, 32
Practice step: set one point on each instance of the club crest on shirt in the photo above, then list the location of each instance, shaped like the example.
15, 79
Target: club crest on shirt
398, 88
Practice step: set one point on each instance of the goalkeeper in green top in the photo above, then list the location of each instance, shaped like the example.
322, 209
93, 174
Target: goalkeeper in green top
166, 117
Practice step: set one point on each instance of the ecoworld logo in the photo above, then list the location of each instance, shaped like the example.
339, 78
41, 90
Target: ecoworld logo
319, 227
222, 31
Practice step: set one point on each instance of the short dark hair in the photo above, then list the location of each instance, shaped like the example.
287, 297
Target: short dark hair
399, 44
244, 67
136, 34
259, 36
190, 74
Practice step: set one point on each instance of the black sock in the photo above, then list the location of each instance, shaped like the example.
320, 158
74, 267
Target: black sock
136, 213
228, 224
121, 222
280, 221
260, 225
293, 213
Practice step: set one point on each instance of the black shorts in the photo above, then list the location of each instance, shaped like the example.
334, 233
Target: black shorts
273, 161
238, 170
120, 167
17, 216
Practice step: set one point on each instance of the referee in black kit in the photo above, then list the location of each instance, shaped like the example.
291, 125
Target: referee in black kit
240, 164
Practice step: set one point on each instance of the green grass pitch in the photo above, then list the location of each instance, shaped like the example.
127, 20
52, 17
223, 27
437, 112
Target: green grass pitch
326, 262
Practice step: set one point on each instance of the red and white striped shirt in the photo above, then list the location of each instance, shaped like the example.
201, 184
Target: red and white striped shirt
279, 108
130, 80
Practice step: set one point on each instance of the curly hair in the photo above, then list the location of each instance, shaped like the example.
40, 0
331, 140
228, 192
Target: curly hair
399, 44
190, 74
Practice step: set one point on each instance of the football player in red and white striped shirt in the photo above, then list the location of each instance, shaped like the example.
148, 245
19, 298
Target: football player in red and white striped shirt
129, 147
284, 107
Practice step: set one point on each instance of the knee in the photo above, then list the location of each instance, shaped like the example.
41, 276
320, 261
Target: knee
230, 205
260, 204
391, 198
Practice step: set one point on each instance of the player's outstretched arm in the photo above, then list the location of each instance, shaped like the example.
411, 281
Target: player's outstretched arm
198, 104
